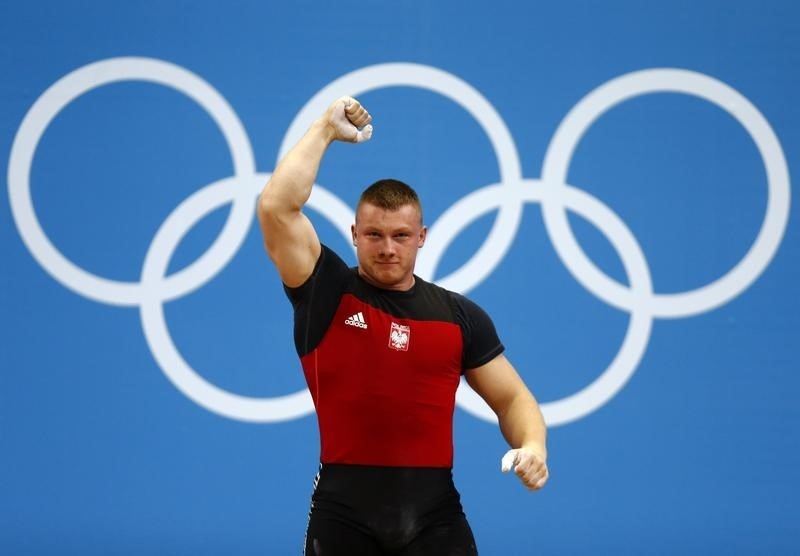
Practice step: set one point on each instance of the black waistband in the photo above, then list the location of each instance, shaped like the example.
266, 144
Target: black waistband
373, 483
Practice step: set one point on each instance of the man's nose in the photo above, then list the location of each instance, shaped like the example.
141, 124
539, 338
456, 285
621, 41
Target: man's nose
387, 246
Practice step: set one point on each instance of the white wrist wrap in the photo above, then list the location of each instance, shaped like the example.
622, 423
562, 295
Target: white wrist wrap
364, 134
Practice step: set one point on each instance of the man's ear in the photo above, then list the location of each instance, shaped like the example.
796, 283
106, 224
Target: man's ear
353, 233
422, 235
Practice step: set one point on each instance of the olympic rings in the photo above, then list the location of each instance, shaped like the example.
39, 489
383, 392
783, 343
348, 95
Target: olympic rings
507, 197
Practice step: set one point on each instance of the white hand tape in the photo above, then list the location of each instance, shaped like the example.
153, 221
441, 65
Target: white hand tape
508, 460
364, 134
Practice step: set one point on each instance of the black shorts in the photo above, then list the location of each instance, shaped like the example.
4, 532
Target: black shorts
371, 510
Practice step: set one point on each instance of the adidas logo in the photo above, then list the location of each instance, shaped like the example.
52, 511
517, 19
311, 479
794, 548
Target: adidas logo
356, 320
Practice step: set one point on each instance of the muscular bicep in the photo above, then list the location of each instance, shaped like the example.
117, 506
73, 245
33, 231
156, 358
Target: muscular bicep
291, 242
497, 382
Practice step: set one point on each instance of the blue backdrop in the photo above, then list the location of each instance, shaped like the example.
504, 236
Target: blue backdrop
609, 180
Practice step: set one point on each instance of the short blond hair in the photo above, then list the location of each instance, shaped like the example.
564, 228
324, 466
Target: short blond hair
390, 194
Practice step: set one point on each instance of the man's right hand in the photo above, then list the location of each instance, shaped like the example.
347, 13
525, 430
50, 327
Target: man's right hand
349, 120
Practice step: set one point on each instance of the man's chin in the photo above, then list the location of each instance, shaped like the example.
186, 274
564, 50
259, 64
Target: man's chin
387, 277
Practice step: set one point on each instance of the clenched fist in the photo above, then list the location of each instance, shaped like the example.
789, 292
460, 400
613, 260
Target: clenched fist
349, 120
530, 467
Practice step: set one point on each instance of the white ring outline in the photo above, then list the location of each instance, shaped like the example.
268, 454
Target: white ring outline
578, 121
465, 95
607, 385
55, 99
178, 371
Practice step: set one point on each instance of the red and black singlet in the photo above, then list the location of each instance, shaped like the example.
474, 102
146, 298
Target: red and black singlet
383, 366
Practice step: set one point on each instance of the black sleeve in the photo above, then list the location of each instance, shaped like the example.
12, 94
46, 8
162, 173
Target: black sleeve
481, 343
316, 300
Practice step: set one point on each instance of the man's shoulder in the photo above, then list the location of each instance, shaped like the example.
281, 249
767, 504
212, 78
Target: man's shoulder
455, 297
463, 308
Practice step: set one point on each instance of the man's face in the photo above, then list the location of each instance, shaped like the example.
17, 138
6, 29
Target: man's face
386, 243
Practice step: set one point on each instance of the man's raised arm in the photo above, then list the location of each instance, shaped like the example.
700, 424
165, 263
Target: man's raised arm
289, 237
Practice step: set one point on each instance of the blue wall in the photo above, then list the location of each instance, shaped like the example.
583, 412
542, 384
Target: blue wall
642, 269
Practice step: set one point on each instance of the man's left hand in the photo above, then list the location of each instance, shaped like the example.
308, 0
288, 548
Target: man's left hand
529, 465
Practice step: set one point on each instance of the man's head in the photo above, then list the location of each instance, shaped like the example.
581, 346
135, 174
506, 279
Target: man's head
388, 233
